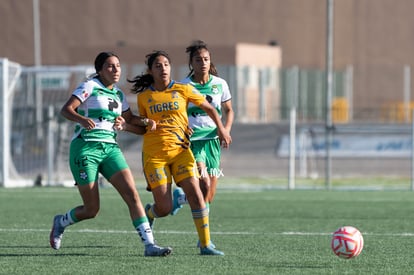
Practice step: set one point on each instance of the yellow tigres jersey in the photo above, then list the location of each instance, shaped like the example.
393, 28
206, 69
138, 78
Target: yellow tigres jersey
169, 110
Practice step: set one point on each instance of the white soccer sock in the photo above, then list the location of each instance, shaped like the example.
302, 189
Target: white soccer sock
66, 219
145, 232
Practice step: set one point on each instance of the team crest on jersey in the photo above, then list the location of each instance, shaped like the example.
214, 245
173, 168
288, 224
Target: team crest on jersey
214, 89
174, 94
83, 175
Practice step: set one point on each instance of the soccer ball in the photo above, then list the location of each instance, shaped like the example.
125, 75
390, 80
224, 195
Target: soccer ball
347, 242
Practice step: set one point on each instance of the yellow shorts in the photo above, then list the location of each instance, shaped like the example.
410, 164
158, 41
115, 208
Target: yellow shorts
160, 170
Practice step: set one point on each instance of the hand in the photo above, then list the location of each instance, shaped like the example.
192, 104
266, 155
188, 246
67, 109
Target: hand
225, 138
120, 124
151, 124
87, 123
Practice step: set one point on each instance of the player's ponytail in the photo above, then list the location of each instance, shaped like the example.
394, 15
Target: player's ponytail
141, 82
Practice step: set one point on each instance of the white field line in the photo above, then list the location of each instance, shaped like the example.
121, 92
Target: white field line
402, 234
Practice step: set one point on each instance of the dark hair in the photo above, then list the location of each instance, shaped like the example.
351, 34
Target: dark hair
194, 48
143, 81
101, 59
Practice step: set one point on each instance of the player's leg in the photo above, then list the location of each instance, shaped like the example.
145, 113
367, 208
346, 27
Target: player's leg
188, 181
200, 214
162, 200
83, 162
158, 177
207, 154
212, 160
117, 171
179, 198
204, 179
212, 189
211, 149
89, 209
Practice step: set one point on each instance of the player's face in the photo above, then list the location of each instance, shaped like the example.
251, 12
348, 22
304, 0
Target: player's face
111, 71
161, 70
201, 62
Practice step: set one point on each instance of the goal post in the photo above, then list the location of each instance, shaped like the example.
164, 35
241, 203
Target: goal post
34, 138
9, 73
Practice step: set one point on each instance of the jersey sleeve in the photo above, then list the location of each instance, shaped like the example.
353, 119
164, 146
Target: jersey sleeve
226, 96
194, 96
125, 104
84, 90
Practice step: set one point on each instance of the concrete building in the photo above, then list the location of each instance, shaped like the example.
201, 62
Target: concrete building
374, 37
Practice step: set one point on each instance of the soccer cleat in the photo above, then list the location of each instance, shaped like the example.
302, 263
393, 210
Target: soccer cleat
150, 221
208, 250
210, 244
155, 250
178, 192
57, 232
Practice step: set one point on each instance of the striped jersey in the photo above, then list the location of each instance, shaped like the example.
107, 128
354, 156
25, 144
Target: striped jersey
102, 105
216, 91
168, 109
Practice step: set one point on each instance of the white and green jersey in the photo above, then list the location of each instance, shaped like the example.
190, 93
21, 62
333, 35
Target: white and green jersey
216, 91
102, 105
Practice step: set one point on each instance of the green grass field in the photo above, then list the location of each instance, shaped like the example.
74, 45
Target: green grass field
266, 231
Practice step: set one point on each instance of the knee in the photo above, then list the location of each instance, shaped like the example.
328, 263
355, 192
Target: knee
163, 210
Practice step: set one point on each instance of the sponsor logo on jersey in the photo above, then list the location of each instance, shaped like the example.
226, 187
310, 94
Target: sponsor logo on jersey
85, 94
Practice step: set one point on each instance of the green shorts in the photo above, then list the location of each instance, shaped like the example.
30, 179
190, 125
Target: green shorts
208, 152
89, 158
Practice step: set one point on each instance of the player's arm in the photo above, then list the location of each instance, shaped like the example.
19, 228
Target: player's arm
222, 132
228, 114
69, 112
133, 123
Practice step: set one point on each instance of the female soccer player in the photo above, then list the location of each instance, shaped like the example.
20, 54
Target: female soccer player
205, 143
166, 154
96, 106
